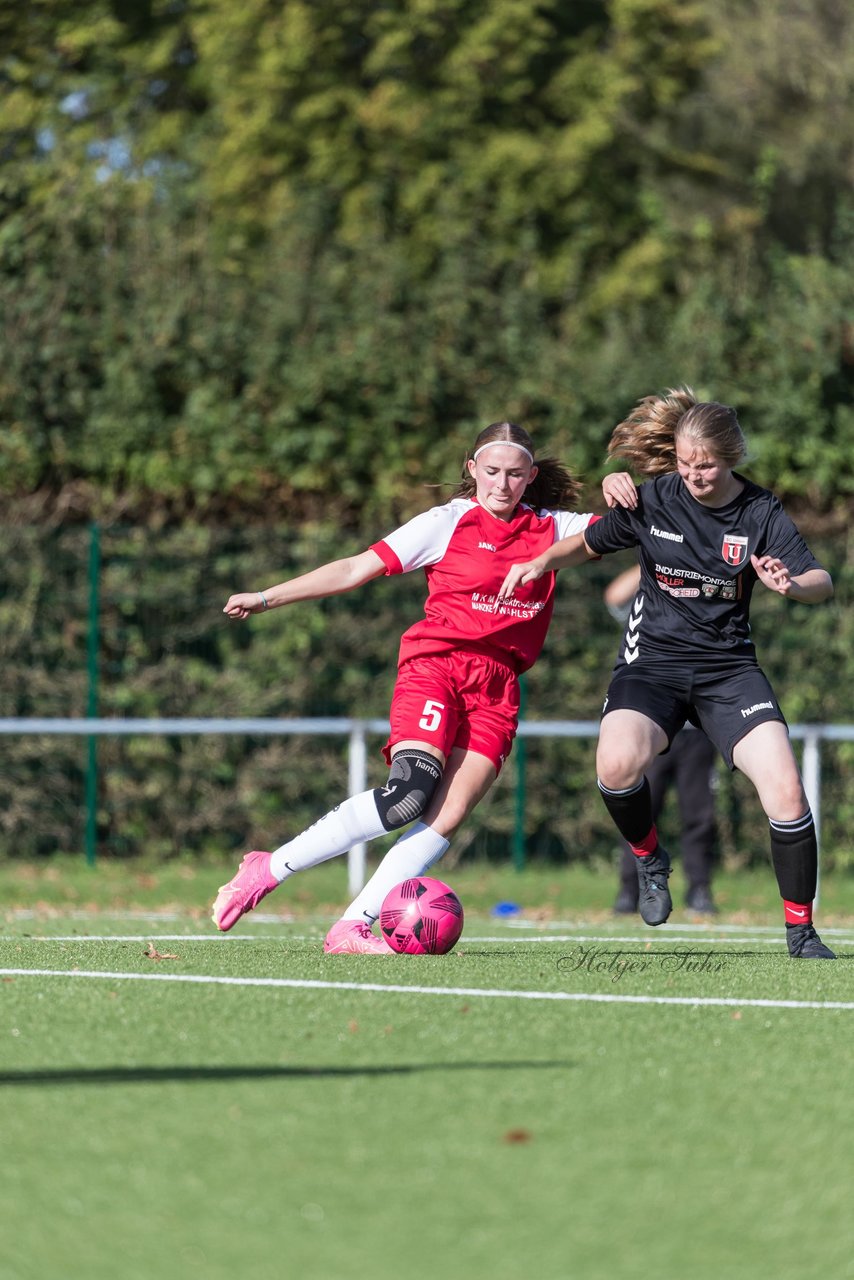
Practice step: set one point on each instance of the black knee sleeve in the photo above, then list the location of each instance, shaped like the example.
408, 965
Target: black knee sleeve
413, 779
794, 851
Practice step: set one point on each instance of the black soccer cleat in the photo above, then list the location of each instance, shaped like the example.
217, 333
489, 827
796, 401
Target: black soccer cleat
805, 944
626, 901
700, 900
654, 900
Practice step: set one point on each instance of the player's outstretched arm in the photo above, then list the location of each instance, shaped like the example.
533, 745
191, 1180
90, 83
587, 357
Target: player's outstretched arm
811, 587
330, 579
560, 555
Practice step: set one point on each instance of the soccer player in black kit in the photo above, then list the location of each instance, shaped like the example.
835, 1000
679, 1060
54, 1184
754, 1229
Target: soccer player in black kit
705, 535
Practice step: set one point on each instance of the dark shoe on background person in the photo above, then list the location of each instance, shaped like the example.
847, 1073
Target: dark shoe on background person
700, 899
805, 944
654, 900
626, 902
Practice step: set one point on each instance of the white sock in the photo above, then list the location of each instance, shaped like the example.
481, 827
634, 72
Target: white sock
411, 855
353, 821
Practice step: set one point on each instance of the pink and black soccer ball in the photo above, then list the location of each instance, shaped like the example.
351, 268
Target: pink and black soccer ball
421, 916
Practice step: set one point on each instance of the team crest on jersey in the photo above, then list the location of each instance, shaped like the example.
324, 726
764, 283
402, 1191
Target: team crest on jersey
734, 549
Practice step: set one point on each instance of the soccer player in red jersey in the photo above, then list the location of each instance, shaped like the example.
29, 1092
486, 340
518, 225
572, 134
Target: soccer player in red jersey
705, 535
455, 706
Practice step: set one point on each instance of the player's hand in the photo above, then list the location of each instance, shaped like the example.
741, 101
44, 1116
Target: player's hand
620, 490
244, 603
772, 573
518, 575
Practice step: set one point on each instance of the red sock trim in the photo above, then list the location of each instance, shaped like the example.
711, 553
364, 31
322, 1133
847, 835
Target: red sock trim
797, 912
648, 845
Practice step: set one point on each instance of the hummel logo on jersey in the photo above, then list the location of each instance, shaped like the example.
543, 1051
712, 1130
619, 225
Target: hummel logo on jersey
757, 706
485, 546
662, 533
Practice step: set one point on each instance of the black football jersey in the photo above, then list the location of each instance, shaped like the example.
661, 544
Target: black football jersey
696, 576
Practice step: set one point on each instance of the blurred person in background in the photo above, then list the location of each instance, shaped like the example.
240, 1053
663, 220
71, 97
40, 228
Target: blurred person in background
455, 706
705, 535
689, 768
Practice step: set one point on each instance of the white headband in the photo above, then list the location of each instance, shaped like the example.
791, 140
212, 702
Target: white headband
509, 444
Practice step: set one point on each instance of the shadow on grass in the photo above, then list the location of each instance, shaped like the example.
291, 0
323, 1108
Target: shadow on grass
162, 1075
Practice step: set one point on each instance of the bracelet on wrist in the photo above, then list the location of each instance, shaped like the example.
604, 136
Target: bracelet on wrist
264, 601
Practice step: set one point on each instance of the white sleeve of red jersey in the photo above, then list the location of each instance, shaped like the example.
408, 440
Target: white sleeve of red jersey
422, 540
569, 522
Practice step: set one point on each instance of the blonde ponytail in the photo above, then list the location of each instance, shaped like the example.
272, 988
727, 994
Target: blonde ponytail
647, 437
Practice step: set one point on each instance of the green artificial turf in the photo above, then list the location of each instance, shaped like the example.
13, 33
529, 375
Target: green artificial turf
518, 1108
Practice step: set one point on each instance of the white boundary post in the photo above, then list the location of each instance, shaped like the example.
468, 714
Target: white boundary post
812, 787
358, 782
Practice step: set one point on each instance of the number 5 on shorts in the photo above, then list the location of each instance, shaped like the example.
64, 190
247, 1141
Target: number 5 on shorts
431, 716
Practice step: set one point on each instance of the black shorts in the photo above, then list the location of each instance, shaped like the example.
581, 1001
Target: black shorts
726, 701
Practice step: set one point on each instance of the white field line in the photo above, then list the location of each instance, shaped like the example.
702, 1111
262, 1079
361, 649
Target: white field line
668, 933
685, 932
577, 997
640, 940
686, 926
540, 931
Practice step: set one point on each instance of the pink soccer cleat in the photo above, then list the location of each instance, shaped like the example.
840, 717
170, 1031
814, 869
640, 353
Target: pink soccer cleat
354, 937
244, 891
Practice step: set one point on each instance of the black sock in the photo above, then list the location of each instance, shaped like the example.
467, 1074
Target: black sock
794, 852
632, 814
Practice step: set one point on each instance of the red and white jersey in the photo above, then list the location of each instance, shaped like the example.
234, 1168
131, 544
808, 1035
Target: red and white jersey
465, 553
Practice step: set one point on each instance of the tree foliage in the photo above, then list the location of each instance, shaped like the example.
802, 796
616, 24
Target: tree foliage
258, 254
276, 264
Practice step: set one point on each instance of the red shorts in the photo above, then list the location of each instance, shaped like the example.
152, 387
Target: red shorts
456, 700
